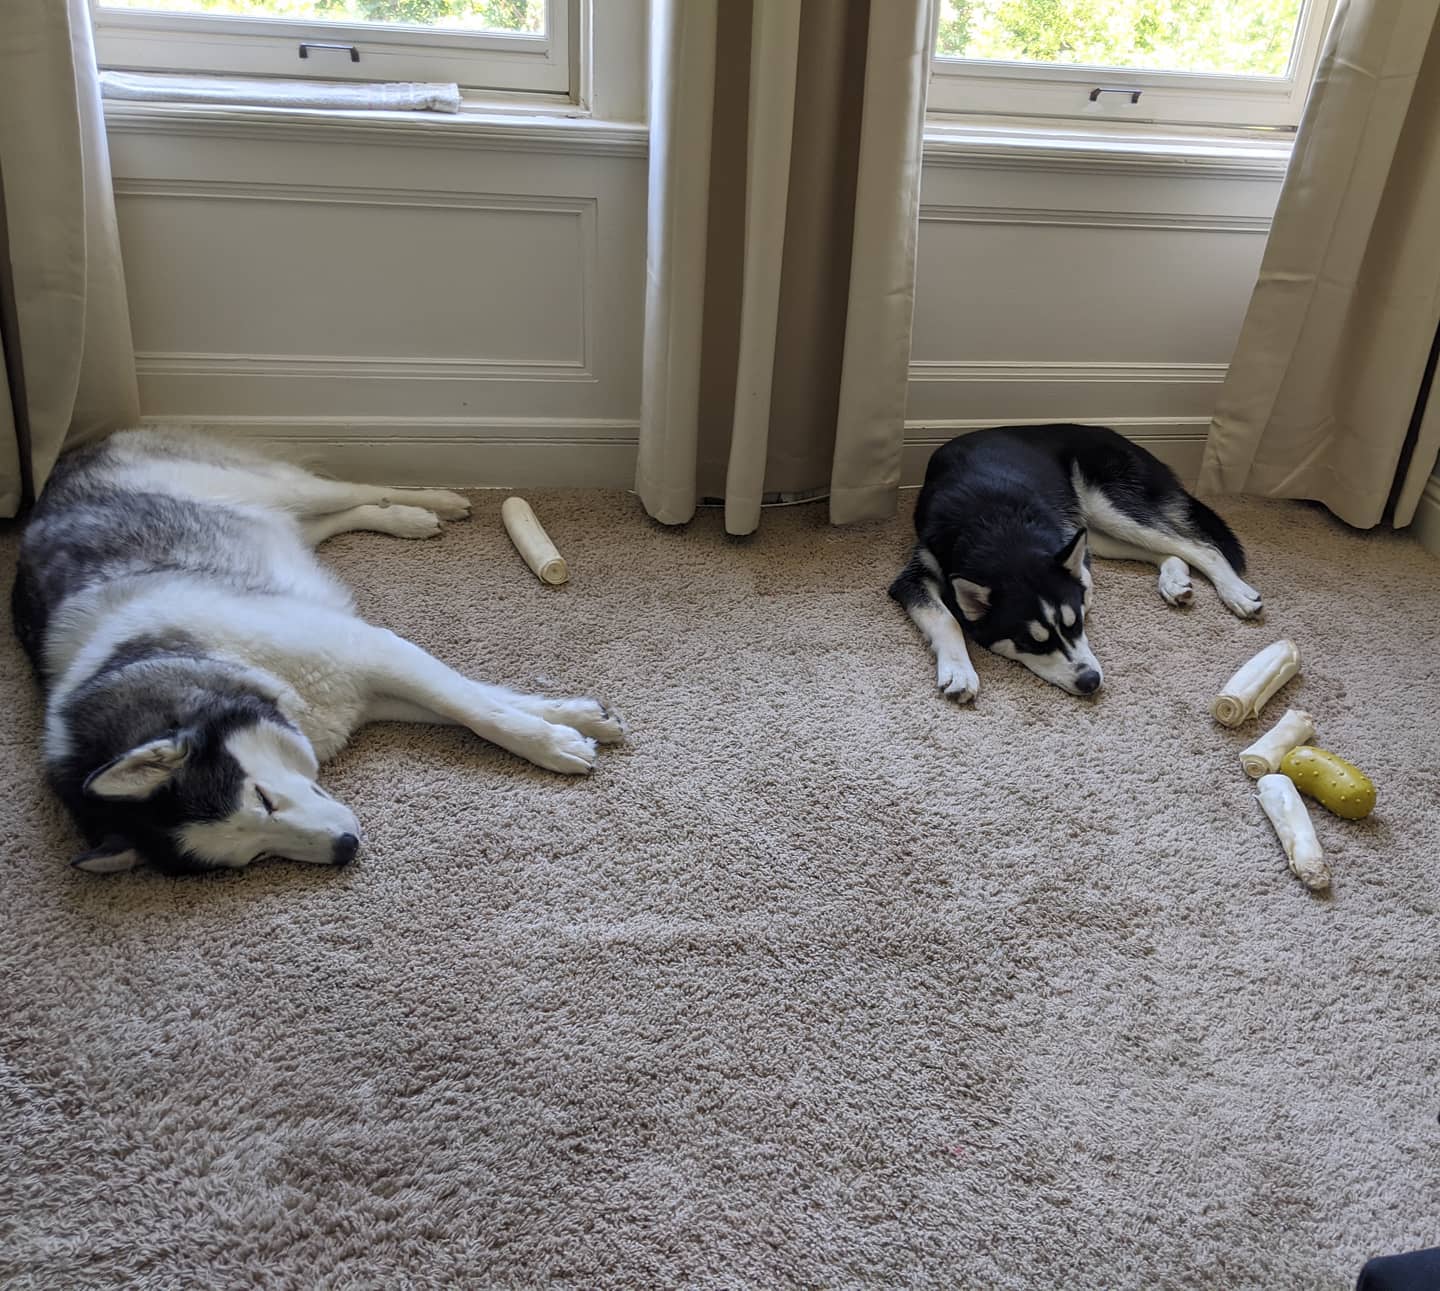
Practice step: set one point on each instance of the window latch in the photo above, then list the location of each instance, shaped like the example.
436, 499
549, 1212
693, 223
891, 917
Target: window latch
1114, 89
307, 45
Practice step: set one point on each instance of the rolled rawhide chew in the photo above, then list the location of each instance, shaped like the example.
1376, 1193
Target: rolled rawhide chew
1250, 689
532, 542
1334, 783
1282, 803
1291, 731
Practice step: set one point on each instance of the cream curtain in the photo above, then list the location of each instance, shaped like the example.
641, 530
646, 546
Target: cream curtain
785, 142
1325, 398
69, 368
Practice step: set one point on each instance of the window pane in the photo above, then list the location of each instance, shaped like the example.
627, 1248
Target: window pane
524, 16
1220, 37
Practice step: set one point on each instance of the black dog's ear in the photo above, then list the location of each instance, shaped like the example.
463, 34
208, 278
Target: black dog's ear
1071, 557
972, 598
114, 856
141, 772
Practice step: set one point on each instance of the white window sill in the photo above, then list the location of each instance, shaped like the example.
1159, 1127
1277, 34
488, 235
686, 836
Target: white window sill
1086, 146
527, 127
524, 129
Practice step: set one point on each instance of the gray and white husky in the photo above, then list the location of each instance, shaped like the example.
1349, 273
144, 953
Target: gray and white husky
199, 663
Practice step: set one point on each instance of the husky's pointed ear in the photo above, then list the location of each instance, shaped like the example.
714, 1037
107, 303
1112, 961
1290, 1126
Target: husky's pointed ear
1072, 555
141, 772
113, 856
972, 598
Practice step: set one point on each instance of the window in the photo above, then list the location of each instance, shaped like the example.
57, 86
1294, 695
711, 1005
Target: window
1208, 62
485, 45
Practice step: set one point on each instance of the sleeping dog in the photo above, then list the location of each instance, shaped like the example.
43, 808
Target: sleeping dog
200, 663
1006, 524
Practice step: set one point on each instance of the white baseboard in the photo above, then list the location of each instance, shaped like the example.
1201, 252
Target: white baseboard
455, 452
1426, 525
470, 453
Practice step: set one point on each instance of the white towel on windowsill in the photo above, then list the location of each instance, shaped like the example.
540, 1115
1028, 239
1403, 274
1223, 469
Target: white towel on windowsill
253, 92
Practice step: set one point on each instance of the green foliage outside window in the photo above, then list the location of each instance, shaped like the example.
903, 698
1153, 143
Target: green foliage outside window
473, 15
1232, 37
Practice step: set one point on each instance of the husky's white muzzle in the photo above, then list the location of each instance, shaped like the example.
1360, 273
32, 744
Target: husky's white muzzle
282, 812
1077, 671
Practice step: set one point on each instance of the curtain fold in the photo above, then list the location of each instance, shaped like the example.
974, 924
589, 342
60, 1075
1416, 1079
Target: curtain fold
774, 56
1324, 395
784, 204
64, 322
682, 97
874, 380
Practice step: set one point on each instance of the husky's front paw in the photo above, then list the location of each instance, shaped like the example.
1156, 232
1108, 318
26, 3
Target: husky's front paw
957, 679
1175, 585
1242, 600
444, 503
589, 717
563, 749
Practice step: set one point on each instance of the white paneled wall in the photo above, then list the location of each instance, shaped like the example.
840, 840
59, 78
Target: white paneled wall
420, 303
463, 305
1083, 289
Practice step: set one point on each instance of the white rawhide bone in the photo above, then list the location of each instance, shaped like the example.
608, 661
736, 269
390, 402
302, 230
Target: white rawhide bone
1297, 727
532, 542
1281, 801
1249, 690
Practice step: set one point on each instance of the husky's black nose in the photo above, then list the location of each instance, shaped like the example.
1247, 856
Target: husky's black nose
344, 850
1087, 682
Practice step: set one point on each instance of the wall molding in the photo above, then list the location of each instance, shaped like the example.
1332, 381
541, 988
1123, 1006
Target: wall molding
940, 430
557, 134
247, 190
938, 213
353, 367
554, 452
961, 372
361, 367
584, 210
458, 452
408, 430
1426, 525
1056, 151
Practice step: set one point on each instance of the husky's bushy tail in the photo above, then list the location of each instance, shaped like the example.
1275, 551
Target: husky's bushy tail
1220, 535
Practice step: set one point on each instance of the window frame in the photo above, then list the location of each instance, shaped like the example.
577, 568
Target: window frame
498, 64
968, 87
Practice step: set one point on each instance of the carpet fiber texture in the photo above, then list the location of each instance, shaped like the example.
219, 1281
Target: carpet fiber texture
820, 981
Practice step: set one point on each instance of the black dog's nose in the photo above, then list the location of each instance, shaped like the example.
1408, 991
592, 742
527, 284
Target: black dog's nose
344, 850
1087, 682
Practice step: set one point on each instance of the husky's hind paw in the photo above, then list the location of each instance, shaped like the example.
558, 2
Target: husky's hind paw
1241, 599
562, 749
588, 716
444, 503
410, 522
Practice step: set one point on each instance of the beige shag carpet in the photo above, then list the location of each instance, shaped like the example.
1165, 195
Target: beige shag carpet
819, 982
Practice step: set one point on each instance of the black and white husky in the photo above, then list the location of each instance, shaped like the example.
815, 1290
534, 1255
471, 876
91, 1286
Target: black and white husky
199, 663
1006, 524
